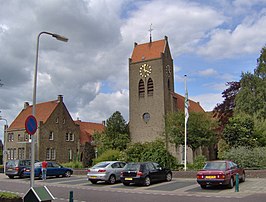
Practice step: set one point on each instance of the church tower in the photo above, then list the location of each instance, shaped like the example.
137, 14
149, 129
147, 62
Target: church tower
151, 89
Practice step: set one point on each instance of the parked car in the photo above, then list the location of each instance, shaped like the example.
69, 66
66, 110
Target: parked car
221, 172
53, 169
107, 171
16, 167
145, 173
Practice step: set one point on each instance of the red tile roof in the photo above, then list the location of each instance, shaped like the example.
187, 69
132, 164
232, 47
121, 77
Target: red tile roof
148, 51
43, 111
193, 106
87, 129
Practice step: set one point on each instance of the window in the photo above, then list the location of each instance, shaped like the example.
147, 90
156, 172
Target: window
67, 137
10, 137
51, 136
53, 154
71, 137
64, 121
141, 88
21, 153
50, 154
57, 120
11, 153
150, 87
26, 137
70, 154
168, 84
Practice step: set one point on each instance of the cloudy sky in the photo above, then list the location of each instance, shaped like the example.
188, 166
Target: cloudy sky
212, 41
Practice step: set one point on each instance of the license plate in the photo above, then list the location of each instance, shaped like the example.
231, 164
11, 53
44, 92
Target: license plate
128, 178
210, 177
93, 177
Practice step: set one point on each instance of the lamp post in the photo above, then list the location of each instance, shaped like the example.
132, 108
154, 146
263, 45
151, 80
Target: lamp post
58, 37
4, 150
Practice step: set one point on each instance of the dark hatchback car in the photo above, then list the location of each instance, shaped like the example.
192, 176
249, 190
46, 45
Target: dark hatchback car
222, 172
16, 168
144, 173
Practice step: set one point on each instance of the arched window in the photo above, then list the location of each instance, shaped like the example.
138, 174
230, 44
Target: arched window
150, 87
141, 88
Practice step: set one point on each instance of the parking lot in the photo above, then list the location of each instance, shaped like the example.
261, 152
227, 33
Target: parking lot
178, 186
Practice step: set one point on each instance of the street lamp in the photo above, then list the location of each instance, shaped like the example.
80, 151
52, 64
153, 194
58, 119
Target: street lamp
60, 38
4, 150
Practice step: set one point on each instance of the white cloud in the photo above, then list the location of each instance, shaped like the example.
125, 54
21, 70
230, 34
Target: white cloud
208, 72
208, 101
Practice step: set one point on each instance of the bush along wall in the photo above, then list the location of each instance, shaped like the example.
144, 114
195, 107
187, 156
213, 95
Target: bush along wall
249, 158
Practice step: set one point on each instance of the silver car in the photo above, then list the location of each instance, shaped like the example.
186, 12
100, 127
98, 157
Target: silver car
108, 171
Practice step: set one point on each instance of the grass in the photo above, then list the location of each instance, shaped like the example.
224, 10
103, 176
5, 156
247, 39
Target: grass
7, 195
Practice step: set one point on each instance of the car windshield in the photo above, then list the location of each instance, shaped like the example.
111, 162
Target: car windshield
215, 166
101, 165
132, 167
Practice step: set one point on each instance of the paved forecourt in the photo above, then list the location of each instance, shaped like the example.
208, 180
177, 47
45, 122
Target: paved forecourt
178, 186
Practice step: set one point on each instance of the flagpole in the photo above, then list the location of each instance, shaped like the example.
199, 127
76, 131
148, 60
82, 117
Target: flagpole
186, 117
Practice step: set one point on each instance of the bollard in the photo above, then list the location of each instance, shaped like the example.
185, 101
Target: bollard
237, 183
71, 196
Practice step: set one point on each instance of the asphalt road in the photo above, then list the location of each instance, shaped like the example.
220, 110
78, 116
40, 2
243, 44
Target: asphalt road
177, 190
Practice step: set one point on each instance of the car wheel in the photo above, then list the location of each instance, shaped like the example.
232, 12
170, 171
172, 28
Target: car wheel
112, 179
67, 174
147, 181
11, 176
126, 183
21, 175
168, 177
231, 183
243, 178
203, 186
93, 181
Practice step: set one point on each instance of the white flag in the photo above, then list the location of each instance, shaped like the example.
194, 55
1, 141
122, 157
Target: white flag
186, 106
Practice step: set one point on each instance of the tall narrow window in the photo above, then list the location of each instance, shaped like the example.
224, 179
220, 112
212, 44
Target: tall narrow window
168, 84
51, 136
141, 88
150, 87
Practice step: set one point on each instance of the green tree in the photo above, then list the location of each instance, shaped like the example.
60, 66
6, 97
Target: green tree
115, 135
88, 155
200, 129
240, 131
251, 98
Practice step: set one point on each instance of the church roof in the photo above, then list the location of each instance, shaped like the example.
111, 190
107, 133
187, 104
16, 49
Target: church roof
43, 111
148, 51
87, 129
193, 106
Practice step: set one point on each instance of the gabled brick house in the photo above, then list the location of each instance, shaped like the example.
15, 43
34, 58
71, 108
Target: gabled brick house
57, 136
87, 130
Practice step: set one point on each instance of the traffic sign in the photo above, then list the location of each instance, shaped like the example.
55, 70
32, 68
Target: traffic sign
31, 125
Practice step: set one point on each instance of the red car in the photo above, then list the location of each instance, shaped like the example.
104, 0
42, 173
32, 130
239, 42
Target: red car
222, 172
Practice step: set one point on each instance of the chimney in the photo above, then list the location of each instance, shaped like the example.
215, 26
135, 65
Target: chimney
103, 122
135, 44
26, 105
60, 98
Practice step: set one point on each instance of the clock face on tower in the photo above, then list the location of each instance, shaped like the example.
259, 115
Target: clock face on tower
168, 71
145, 70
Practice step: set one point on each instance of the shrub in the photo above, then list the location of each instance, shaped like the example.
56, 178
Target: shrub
248, 157
109, 155
198, 163
7, 195
73, 164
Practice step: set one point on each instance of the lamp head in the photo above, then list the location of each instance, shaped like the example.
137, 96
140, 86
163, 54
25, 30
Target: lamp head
60, 38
